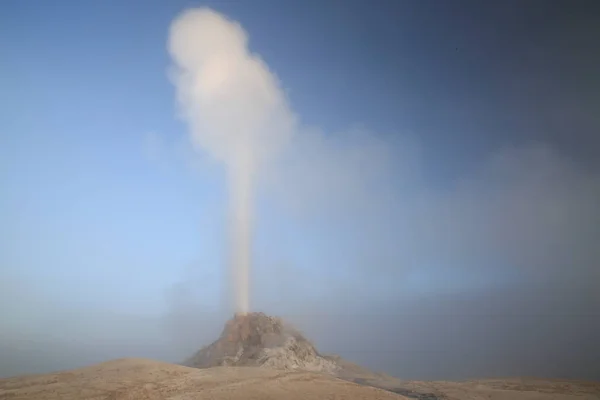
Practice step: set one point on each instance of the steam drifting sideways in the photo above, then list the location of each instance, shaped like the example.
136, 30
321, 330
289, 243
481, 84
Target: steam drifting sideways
236, 112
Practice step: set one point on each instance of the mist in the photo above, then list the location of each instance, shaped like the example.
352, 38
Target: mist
236, 111
247, 206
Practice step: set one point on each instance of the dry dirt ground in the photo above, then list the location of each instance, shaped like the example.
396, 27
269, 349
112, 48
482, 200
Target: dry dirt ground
482, 389
508, 389
490, 389
134, 379
142, 379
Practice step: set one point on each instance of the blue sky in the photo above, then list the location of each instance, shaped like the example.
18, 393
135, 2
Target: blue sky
467, 180
86, 85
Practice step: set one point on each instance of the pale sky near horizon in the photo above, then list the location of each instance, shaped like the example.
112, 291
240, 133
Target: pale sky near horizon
438, 218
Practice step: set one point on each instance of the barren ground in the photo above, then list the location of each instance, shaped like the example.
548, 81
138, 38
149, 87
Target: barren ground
151, 380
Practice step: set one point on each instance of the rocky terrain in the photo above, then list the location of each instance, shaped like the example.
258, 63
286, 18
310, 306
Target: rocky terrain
258, 340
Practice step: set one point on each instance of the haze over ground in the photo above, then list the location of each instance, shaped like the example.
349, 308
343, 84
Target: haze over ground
437, 217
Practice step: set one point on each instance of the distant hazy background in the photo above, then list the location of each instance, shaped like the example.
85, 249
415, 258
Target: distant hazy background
435, 216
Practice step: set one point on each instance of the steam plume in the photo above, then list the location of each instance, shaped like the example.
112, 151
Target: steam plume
235, 110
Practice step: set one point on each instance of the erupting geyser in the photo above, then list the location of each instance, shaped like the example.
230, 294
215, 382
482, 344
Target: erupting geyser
236, 112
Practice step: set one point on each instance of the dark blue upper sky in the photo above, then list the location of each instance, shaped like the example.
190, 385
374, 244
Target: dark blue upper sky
465, 76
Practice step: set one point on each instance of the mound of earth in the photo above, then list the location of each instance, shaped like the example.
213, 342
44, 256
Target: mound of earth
258, 340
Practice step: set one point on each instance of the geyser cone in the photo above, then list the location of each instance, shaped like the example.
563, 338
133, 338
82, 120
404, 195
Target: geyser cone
256, 339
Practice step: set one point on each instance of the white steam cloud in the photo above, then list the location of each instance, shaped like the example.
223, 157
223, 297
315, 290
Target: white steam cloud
236, 111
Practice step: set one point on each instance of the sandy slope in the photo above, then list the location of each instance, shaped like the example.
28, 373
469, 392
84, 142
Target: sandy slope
151, 380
